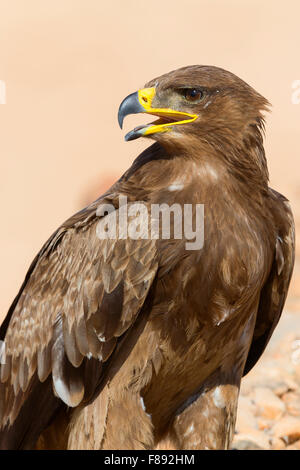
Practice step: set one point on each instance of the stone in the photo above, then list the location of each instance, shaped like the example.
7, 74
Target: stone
280, 388
245, 444
269, 405
292, 403
245, 420
252, 440
295, 446
264, 424
287, 429
277, 444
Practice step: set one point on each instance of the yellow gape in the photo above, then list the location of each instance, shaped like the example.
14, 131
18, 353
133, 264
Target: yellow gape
145, 97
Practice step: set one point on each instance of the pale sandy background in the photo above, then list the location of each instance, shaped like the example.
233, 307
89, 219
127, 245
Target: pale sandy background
67, 65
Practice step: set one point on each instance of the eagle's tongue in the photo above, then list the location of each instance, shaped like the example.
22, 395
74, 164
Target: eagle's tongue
135, 133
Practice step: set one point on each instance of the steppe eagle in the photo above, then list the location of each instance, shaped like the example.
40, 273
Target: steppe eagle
129, 342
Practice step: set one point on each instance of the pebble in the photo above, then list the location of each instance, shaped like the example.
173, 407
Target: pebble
268, 415
252, 441
287, 429
268, 404
292, 402
295, 446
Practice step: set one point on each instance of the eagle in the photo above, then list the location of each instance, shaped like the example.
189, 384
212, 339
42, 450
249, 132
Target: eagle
137, 340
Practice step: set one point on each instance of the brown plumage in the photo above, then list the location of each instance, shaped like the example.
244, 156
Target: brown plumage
132, 344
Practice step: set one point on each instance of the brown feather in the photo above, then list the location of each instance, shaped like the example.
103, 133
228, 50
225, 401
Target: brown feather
44, 362
70, 345
147, 328
67, 381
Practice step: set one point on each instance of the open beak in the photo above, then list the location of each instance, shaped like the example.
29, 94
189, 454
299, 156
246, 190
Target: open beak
141, 102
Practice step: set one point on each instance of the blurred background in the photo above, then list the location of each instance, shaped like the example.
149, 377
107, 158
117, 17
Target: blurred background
67, 64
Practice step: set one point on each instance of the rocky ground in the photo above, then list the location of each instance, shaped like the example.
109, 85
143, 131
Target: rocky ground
269, 404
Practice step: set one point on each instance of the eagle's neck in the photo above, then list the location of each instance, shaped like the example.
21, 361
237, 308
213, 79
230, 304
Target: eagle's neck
230, 163
239, 155
246, 158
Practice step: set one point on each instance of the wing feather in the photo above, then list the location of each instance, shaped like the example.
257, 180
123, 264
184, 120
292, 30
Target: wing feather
275, 290
81, 294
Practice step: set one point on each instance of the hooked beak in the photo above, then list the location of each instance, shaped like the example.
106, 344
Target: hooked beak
141, 102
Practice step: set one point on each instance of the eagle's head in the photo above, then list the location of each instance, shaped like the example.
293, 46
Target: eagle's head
200, 101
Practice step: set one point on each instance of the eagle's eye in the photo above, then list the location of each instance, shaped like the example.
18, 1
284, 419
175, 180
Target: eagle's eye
192, 94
